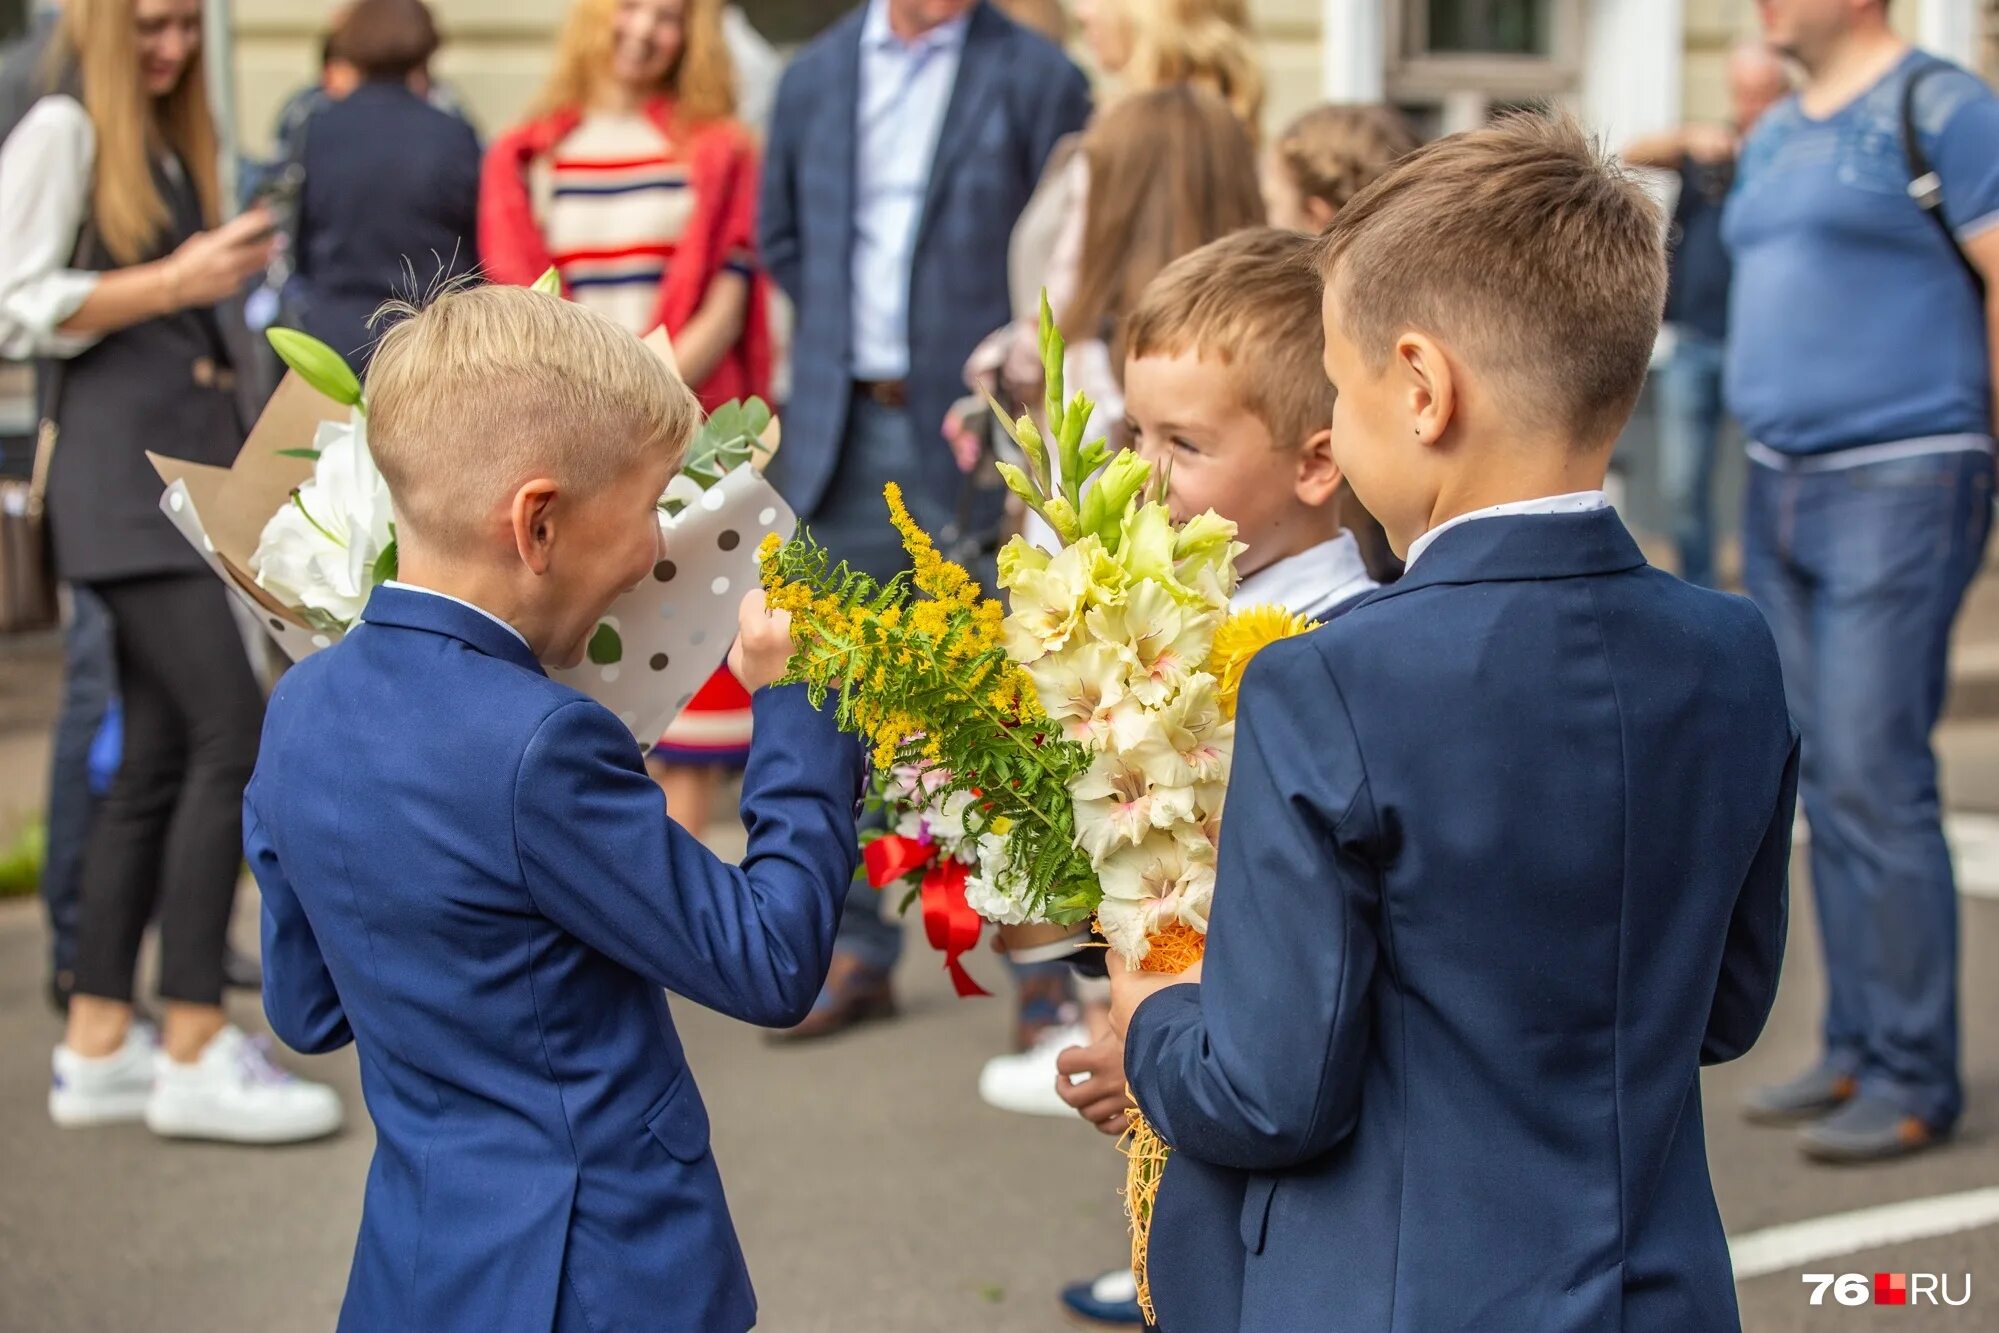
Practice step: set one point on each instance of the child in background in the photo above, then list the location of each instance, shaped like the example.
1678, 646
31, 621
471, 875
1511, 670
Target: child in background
1326, 157
1506, 851
1223, 383
467, 873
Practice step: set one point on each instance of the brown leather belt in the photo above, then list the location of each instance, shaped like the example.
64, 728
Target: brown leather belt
884, 393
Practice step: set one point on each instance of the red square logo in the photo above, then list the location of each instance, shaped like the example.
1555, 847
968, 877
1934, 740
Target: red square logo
1891, 1288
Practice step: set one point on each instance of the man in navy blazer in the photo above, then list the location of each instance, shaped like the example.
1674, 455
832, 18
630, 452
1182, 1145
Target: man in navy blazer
905, 141
1505, 856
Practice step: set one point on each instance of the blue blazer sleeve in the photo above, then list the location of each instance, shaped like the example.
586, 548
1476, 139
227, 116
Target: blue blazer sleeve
1258, 1067
1754, 954
601, 859
1062, 111
300, 1000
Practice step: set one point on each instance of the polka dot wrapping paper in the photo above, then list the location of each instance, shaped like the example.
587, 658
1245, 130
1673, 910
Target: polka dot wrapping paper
652, 650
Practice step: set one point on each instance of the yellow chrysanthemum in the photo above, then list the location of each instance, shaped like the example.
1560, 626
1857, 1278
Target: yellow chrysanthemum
1241, 637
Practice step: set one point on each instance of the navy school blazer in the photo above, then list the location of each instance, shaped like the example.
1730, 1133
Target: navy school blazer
467, 873
1505, 863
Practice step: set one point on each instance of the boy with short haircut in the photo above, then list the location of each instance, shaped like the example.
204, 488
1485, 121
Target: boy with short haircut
1504, 862
467, 872
1223, 385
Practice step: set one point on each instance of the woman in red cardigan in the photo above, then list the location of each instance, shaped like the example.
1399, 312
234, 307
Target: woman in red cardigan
634, 182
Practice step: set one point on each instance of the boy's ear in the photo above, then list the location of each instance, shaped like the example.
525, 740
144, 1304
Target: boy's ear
1319, 212
533, 515
1425, 379
1319, 479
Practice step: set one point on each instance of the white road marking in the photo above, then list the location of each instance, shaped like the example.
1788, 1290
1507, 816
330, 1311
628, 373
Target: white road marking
1782, 1248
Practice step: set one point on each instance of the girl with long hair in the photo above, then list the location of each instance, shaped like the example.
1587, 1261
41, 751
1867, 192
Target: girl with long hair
114, 271
633, 180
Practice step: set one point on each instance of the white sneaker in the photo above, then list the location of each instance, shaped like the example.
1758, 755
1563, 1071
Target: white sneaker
104, 1090
1025, 1083
234, 1094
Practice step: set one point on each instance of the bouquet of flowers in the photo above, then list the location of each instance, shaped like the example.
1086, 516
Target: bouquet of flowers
301, 529
1081, 735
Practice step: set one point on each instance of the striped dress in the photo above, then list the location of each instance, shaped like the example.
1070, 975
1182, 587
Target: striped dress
619, 205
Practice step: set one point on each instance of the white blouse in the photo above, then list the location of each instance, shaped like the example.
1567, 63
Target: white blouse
45, 169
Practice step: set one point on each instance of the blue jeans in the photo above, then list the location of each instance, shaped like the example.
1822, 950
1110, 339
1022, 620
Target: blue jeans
1860, 573
90, 679
1690, 418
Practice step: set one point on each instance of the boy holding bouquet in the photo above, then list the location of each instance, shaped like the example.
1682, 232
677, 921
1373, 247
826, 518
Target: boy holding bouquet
1506, 848
1223, 386
467, 872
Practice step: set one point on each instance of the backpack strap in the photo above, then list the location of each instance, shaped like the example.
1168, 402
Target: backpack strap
1925, 185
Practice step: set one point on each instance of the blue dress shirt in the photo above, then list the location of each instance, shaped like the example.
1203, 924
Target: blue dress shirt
905, 88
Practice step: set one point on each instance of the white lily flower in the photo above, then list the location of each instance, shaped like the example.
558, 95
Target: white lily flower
319, 552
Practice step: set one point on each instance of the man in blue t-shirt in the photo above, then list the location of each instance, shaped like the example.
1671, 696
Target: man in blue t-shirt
1689, 382
1860, 366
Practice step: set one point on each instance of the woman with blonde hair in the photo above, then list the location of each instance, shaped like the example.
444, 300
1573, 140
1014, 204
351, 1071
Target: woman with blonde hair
114, 272
633, 180
1145, 45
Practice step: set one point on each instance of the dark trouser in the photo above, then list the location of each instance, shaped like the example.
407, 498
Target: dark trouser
852, 522
89, 680
1690, 417
1860, 572
170, 832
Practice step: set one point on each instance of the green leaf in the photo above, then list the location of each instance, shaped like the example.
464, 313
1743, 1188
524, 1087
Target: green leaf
317, 364
549, 283
606, 648
385, 563
299, 453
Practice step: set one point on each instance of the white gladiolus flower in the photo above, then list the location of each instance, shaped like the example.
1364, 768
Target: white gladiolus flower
1048, 603
993, 890
1192, 725
1083, 691
1120, 799
1162, 642
319, 552
1149, 887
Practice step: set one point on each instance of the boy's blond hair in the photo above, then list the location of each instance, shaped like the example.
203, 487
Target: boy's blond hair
1538, 259
1249, 301
487, 387
1334, 151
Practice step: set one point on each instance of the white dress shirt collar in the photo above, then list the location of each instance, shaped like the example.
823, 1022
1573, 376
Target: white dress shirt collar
1575, 502
876, 32
1310, 583
432, 592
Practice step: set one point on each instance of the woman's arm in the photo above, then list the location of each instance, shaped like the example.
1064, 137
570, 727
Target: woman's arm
715, 327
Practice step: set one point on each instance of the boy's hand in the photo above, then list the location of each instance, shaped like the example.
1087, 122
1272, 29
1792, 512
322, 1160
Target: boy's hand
1131, 988
1100, 1097
763, 643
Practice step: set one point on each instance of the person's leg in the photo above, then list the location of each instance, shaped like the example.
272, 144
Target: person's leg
207, 671
1777, 573
690, 792
1690, 415
1909, 537
89, 681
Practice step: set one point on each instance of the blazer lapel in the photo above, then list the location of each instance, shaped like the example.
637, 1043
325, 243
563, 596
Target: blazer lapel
981, 73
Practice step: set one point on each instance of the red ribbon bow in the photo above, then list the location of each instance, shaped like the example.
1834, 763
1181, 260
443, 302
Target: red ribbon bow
950, 923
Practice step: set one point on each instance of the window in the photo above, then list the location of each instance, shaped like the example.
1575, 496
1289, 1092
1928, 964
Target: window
1469, 59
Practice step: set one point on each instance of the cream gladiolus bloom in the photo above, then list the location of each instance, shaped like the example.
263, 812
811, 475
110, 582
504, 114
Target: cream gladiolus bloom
1163, 642
1192, 725
1150, 887
1083, 689
1121, 799
1049, 603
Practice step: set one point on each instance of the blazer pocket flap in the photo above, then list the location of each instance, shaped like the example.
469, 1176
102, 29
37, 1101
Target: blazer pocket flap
681, 1124
1256, 1211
